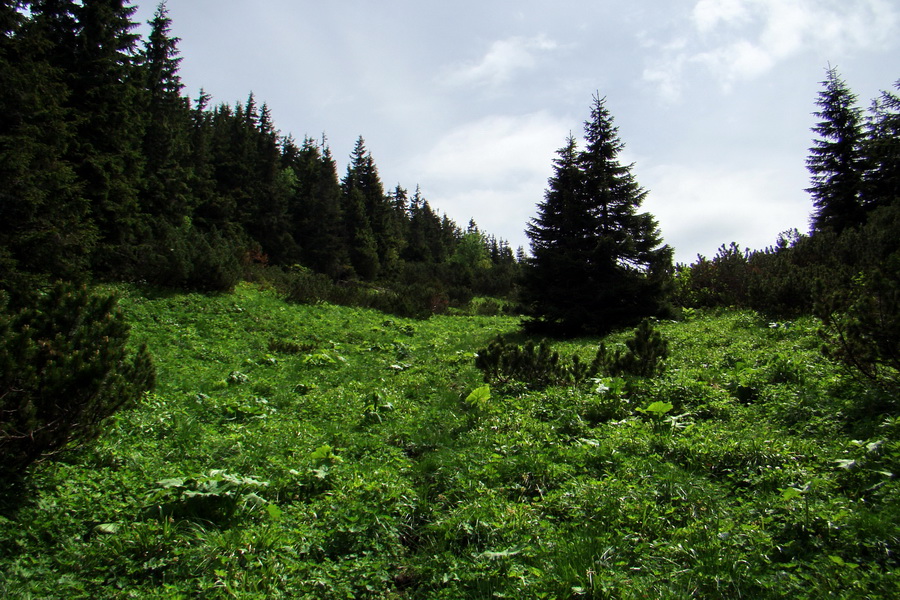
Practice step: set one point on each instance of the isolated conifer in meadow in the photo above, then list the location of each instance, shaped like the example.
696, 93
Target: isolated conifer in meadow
64, 369
597, 263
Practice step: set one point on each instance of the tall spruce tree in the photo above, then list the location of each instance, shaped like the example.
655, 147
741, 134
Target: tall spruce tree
363, 197
882, 150
314, 207
166, 140
597, 263
836, 161
45, 224
108, 158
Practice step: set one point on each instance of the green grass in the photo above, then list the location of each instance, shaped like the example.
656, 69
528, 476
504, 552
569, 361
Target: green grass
329, 452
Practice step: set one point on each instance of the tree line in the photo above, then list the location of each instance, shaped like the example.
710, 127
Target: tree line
846, 268
854, 166
110, 172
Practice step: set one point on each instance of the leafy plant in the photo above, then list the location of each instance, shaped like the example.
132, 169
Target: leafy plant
657, 411
215, 497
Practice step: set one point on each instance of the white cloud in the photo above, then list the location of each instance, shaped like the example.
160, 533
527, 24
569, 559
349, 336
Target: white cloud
495, 169
708, 14
740, 60
740, 40
701, 208
495, 148
501, 62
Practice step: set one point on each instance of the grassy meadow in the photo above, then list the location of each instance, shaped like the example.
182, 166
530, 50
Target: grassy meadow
317, 451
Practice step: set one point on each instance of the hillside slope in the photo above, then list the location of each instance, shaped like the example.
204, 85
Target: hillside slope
327, 452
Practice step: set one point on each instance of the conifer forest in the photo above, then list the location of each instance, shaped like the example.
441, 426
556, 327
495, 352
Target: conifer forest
228, 370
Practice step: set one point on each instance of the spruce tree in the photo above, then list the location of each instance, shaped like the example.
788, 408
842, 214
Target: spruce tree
882, 151
835, 161
363, 210
106, 92
597, 263
166, 143
45, 225
314, 207
421, 221
270, 189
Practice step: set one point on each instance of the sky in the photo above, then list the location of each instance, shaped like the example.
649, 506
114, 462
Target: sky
471, 99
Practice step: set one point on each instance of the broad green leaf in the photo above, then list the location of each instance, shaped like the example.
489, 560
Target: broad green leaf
479, 395
657, 408
791, 493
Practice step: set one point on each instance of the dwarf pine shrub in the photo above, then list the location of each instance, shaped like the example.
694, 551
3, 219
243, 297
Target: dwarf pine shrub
536, 365
64, 368
539, 366
644, 357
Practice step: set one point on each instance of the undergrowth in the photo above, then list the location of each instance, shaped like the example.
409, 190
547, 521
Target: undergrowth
328, 452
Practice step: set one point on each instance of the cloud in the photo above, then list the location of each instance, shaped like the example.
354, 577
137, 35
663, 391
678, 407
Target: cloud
501, 62
495, 168
701, 208
708, 14
495, 148
740, 40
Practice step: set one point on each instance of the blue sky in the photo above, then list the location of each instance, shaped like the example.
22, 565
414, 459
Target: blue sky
471, 99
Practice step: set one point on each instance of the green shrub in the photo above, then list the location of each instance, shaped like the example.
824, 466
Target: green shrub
538, 366
64, 368
644, 357
861, 326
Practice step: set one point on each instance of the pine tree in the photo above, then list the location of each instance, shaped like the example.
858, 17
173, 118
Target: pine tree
314, 207
45, 226
106, 91
882, 151
417, 249
363, 199
836, 161
597, 263
200, 155
166, 191
216, 168
271, 186
65, 367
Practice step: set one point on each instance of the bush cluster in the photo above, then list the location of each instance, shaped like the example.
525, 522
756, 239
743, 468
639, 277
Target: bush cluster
65, 367
539, 366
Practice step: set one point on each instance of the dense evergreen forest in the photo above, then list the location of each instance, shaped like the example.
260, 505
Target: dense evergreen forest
110, 173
